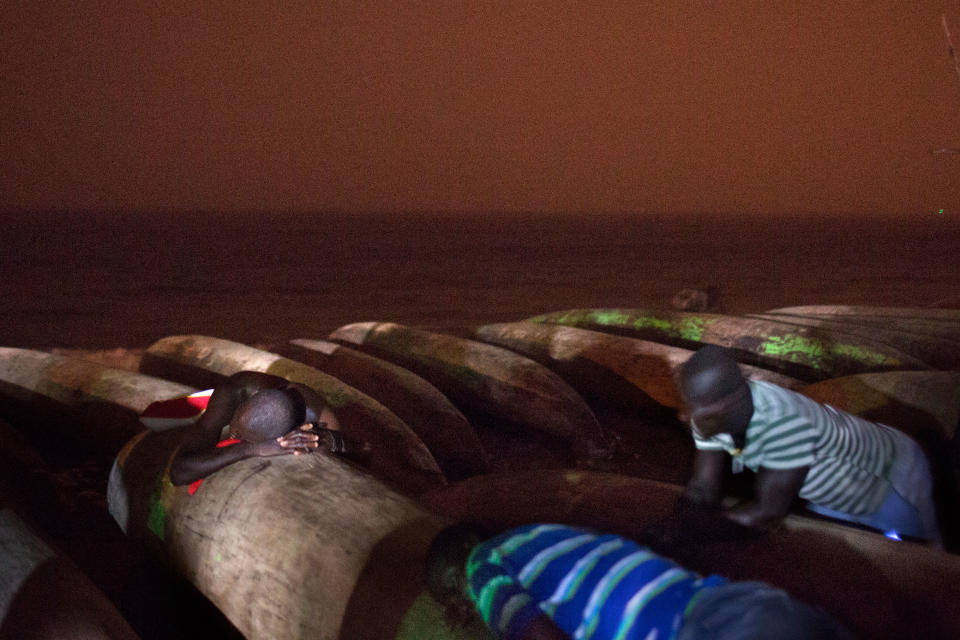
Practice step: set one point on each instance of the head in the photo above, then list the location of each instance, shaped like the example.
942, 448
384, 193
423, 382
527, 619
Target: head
446, 563
715, 393
268, 414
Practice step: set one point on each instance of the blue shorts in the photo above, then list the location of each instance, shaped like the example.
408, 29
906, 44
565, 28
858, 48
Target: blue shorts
750, 610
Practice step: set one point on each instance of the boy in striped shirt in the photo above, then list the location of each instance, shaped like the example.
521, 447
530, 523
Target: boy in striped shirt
844, 466
555, 582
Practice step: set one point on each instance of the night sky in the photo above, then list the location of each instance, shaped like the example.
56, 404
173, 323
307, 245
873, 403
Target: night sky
515, 106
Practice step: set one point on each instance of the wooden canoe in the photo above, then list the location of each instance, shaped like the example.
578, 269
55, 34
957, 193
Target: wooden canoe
102, 403
45, 596
940, 328
483, 378
807, 353
877, 587
924, 404
444, 430
277, 544
854, 311
939, 352
397, 455
605, 367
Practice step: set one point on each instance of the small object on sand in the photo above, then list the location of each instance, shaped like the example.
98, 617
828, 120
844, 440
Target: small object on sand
693, 299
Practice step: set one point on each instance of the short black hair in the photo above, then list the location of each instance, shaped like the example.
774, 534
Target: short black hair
710, 374
269, 414
446, 561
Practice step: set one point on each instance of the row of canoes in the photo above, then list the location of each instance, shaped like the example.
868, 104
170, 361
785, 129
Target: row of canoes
306, 547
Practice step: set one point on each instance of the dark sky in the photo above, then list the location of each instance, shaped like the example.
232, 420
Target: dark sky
458, 106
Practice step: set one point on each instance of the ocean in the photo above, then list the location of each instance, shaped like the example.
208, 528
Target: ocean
110, 279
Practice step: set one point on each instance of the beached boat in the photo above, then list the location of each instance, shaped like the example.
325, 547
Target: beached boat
806, 353
45, 596
862, 311
483, 378
604, 367
103, 403
277, 544
939, 352
910, 589
396, 453
941, 327
446, 432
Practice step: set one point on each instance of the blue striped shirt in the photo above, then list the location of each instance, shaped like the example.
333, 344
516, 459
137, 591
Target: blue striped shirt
593, 586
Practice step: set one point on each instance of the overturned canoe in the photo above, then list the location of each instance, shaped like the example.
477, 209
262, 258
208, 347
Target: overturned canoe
277, 544
910, 589
940, 328
925, 404
940, 352
446, 432
806, 353
609, 368
482, 377
45, 596
855, 311
41, 388
397, 455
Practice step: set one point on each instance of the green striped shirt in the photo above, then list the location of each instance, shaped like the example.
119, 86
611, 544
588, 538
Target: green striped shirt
849, 458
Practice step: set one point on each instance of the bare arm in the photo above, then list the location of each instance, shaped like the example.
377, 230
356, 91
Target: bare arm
199, 456
706, 481
775, 491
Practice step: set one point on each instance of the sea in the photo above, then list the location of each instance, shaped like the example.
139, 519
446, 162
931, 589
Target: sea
99, 280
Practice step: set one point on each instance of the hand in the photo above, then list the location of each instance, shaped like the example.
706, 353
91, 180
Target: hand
299, 441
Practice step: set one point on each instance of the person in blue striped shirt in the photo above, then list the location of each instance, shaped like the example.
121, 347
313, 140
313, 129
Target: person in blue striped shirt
557, 582
845, 467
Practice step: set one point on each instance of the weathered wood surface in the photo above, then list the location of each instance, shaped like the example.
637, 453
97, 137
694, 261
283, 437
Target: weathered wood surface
609, 368
82, 400
878, 587
920, 403
277, 544
444, 430
855, 311
806, 353
44, 596
938, 351
934, 328
482, 377
397, 455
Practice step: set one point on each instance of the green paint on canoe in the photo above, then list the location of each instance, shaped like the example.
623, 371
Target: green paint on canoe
424, 620
157, 516
863, 354
688, 328
796, 348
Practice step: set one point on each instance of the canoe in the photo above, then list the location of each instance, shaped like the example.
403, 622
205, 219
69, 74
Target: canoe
806, 353
102, 403
938, 351
45, 596
607, 368
397, 454
924, 404
910, 588
483, 378
276, 544
444, 430
941, 328
919, 313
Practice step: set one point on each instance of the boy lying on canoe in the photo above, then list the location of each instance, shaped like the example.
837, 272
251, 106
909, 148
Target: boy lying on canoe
845, 467
266, 416
555, 582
